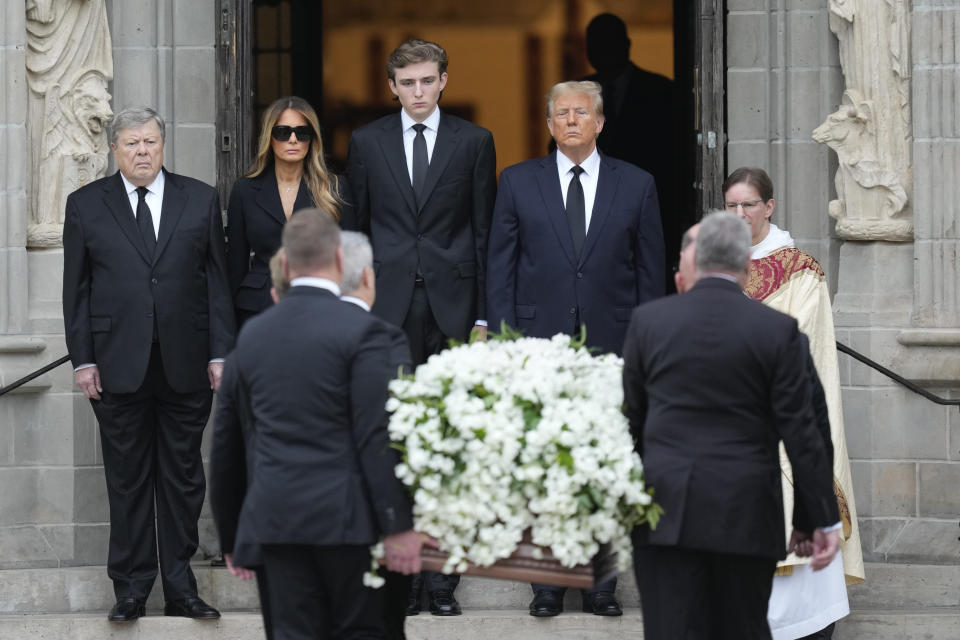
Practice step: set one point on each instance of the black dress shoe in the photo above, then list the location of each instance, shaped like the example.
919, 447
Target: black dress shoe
190, 608
602, 603
442, 603
546, 603
126, 609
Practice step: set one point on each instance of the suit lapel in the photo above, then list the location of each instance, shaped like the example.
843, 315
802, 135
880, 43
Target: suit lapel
549, 182
443, 148
118, 203
607, 183
174, 202
391, 143
268, 195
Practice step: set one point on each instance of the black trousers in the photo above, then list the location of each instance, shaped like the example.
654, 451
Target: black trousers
317, 592
697, 595
151, 455
425, 340
608, 586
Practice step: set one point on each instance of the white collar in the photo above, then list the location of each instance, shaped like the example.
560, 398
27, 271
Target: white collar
777, 238
357, 301
154, 187
590, 165
320, 283
432, 121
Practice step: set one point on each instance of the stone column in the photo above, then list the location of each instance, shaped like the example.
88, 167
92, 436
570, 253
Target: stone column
783, 79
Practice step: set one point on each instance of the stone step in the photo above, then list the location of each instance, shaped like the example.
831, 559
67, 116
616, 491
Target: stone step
87, 589
928, 624
934, 623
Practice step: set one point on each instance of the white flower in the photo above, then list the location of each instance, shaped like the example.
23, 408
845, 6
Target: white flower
504, 436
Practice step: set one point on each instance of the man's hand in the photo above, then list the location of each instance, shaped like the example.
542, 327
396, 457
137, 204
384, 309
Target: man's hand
402, 551
88, 379
825, 545
478, 333
238, 572
801, 544
215, 373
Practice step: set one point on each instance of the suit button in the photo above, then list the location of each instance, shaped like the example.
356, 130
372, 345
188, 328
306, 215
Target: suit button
579, 275
419, 236
573, 310
153, 280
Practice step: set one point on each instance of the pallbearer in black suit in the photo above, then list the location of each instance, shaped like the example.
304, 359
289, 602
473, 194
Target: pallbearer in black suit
148, 320
713, 382
314, 371
289, 173
359, 288
422, 186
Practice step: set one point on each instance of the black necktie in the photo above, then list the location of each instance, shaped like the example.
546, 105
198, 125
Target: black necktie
419, 162
576, 210
145, 222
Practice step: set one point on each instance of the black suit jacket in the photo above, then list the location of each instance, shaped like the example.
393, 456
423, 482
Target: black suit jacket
315, 370
713, 381
537, 283
111, 291
446, 238
255, 221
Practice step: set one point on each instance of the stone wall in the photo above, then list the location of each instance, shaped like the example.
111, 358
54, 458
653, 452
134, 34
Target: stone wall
53, 507
783, 79
896, 302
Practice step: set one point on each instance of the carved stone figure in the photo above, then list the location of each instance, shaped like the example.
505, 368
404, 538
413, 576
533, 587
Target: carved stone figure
871, 130
69, 63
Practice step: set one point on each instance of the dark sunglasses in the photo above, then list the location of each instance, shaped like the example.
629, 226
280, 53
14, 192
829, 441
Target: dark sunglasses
281, 133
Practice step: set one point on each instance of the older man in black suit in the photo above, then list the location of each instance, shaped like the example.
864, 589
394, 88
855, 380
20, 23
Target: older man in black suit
713, 382
422, 186
314, 371
148, 319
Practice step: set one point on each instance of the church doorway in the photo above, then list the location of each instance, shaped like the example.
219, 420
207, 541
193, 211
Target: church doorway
504, 56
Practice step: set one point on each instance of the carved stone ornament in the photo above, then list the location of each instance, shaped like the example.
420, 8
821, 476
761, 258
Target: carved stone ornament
870, 132
69, 62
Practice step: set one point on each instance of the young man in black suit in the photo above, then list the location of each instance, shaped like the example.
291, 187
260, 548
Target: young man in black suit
322, 487
713, 381
422, 186
148, 320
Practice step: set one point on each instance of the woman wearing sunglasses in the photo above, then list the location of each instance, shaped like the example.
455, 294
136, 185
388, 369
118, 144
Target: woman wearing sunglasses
288, 173
803, 604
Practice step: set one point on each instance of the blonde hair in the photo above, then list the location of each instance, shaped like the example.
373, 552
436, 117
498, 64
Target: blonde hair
321, 183
588, 88
277, 278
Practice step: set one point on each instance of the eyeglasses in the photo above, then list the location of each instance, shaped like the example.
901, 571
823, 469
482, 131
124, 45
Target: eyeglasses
281, 133
746, 204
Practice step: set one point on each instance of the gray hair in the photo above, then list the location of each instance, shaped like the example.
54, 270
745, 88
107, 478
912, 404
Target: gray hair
357, 256
723, 243
588, 87
133, 117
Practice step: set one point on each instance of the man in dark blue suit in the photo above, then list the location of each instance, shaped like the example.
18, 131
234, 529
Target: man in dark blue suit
575, 243
557, 263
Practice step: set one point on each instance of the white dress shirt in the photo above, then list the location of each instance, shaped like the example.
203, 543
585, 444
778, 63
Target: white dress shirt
319, 283
357, 301
588, 179
154, 199
409, 133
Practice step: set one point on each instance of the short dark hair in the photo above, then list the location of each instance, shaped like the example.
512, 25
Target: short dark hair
414, 51
753, 176
310, 240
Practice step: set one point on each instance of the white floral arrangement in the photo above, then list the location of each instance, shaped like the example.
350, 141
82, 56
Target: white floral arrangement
520, 433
